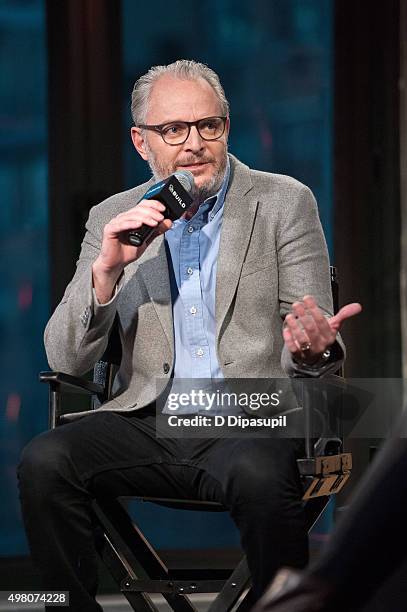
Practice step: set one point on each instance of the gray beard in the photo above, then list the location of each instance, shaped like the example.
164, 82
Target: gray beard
199, 194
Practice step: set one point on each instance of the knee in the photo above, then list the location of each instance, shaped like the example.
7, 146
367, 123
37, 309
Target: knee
42, 461
266, 476
249, 482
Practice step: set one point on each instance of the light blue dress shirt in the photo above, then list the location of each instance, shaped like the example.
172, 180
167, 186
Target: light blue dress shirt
193, 246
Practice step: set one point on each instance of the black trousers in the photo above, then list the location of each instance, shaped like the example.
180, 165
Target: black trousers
116, 454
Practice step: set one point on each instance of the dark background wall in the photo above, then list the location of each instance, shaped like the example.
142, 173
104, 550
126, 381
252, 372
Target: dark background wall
25, 283
367, 181
367, 194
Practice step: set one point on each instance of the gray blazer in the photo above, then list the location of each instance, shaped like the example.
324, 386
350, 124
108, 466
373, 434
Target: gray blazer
272, 252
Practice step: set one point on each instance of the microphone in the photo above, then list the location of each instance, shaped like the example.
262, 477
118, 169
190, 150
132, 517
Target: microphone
175, 193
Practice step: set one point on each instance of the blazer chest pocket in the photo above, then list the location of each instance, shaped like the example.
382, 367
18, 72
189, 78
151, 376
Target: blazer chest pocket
254, 265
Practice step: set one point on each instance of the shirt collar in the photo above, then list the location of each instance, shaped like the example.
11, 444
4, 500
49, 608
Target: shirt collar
216, 202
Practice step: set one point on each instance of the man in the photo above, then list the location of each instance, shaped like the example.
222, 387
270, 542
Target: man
239, 261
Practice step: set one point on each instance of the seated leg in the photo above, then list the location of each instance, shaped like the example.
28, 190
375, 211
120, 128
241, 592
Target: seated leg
58, 473
260, 484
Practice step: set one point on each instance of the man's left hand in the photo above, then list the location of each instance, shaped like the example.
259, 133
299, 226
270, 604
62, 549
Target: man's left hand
308, 333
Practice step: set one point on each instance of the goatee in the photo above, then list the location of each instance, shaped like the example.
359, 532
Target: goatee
199, 193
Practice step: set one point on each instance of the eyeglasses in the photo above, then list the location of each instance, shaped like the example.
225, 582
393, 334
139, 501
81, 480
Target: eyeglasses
177, 132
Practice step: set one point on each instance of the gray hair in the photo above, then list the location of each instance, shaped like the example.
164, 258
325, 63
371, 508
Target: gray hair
181, 69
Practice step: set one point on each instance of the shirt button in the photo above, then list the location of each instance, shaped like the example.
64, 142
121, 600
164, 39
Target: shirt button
190, 229
190, 271
199, 352
192, 310
166, 367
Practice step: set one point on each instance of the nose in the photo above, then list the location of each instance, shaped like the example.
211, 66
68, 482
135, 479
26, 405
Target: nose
194, 142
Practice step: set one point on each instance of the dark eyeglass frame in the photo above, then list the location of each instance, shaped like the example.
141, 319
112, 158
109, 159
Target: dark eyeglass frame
160, 128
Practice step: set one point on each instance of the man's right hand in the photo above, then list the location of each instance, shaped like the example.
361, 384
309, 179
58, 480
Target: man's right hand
116, 252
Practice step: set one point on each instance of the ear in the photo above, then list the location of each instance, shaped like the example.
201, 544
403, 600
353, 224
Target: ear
139, 142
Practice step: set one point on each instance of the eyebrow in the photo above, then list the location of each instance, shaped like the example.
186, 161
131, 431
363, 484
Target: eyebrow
182, 120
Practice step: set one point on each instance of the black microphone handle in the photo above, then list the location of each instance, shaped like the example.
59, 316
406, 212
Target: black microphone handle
176, 198
140, 235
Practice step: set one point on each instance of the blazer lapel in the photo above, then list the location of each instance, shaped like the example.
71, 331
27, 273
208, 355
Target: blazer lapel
154, 268
238, 217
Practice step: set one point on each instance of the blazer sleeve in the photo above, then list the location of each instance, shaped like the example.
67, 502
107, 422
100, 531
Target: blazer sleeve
303, 268
77, 334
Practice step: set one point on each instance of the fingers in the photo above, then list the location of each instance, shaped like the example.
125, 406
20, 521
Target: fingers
308, 326
323, 335
296, 332
164, 226
350, 310
117, 226
147, 212
307, 332
161, 228
145, 204
289, 340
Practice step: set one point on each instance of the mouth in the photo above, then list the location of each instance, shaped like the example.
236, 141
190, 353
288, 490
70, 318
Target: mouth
195, 166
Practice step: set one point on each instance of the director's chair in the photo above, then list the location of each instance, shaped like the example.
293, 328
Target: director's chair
132, 561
